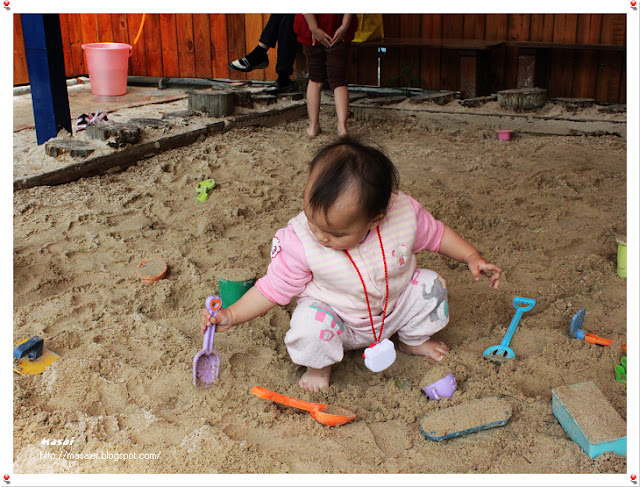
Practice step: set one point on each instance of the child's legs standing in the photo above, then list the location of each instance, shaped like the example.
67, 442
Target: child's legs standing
341, 94
315, 56
314, 92
336, 65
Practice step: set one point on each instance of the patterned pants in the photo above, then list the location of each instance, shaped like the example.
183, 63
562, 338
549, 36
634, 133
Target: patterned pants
319, 336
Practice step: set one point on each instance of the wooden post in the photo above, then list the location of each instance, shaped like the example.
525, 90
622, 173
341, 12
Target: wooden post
522, 99
45, 62
474, 73
216, 104
526, 68
468, 75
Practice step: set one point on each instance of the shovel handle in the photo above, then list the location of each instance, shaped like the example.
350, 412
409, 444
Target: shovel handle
286, 400
214, 303
520, 310
528, 304
596, 340
207, 342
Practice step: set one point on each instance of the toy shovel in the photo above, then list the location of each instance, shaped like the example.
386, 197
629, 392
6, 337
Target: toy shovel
576, 331
499, 353
206, 363
322, 413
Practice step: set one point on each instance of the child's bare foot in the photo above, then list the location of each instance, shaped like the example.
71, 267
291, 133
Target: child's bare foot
315, 379
313, 130
432, 349
342, 130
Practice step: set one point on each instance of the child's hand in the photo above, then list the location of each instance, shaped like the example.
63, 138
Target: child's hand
318, 35
339, 35
223, 320
477, 265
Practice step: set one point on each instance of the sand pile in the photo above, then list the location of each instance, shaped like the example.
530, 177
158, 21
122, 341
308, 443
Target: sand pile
546, 209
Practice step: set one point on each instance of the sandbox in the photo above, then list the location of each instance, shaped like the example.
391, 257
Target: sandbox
547, 209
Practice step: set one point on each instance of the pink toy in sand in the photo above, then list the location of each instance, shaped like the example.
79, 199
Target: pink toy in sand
206, 363
445, 387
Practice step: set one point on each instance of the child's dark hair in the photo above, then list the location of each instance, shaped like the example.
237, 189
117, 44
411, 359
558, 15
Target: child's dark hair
347, 161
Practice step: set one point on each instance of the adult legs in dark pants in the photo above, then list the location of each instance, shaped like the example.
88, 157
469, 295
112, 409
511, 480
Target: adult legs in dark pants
278, 30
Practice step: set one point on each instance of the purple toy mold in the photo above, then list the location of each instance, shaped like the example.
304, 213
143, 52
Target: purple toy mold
445, 387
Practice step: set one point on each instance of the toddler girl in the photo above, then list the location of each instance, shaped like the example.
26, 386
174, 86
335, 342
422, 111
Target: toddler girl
349, 258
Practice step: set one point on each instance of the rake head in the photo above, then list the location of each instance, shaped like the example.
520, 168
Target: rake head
576, 324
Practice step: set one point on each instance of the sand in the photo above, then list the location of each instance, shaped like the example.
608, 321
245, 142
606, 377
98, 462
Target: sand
547, 209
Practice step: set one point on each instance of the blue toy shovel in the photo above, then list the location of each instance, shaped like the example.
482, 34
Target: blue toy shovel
499, 353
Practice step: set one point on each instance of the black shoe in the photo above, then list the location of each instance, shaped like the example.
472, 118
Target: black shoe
247, 63
288, 88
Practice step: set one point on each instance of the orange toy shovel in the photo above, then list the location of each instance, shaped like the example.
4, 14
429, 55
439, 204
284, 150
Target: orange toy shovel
335, 417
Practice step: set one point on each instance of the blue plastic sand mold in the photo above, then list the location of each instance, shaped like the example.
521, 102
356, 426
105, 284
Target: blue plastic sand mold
32, 348
465, 418
597, 428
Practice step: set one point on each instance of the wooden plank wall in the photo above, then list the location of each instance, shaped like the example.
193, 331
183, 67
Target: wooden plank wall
566, 73
174, 45
201, 45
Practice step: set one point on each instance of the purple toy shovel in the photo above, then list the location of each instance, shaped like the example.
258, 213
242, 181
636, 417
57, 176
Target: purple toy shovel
206, 363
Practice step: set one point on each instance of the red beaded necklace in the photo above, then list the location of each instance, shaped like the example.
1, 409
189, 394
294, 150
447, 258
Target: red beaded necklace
386, 281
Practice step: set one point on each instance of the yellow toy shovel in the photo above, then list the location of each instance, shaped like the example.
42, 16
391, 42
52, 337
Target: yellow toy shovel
37, 357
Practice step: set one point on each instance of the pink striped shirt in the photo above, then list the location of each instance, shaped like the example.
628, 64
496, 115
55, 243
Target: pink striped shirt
300, 266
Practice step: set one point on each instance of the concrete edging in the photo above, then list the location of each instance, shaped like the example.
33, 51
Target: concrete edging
24, 90
519, 123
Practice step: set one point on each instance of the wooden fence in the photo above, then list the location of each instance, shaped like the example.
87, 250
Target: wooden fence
201, 45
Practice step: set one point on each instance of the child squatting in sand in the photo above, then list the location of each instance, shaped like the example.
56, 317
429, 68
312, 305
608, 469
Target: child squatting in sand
349, 258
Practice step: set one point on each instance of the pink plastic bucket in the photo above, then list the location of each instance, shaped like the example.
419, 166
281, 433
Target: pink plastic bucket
504, 134
108, 63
